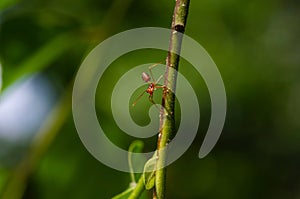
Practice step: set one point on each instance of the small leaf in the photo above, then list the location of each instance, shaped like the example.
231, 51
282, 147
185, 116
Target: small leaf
149, 172
125, 194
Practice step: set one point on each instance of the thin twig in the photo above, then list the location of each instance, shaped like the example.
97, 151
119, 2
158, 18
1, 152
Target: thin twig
167, 117
138, 190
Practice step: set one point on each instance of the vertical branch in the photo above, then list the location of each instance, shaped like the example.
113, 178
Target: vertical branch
167, 117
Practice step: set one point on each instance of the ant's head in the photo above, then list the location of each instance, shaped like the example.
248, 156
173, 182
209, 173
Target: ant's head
146, 77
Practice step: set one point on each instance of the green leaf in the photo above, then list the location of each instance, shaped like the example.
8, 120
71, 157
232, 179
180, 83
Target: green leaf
7, 3
125, 194
149, 172
43, 57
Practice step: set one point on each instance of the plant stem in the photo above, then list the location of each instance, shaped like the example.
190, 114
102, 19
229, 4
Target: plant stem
138, 190
167, 116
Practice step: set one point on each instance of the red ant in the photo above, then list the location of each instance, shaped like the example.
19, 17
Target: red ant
151, 87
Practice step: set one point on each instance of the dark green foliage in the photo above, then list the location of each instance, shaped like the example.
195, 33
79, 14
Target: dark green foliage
256, 47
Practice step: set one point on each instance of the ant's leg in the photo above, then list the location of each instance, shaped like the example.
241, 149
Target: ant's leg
152, 101
166, 90
138, 98
164, 87
150, 67
158, 79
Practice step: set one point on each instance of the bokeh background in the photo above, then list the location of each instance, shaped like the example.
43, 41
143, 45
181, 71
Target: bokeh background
255, 44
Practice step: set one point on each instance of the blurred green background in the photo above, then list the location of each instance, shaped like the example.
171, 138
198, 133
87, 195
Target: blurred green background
254, 43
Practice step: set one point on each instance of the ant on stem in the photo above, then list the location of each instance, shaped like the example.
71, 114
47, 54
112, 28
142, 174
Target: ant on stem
152, 85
